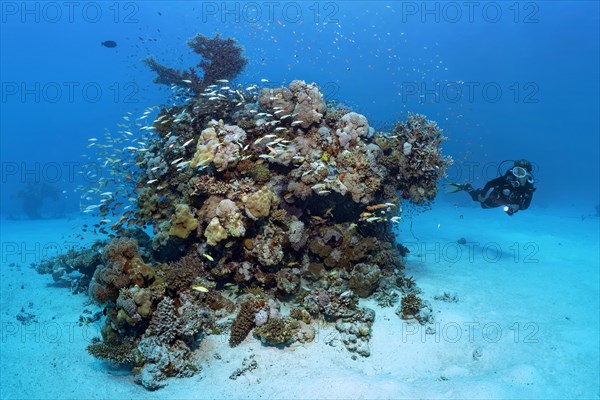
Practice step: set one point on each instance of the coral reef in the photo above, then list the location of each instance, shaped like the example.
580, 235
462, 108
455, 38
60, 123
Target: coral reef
267, 197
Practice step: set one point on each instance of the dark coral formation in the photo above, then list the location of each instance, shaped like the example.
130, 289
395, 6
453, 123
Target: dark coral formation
121, 353
74, 268
421, 163
278, 331
122, 267
153, 313
411, 304
220, 59
243, 323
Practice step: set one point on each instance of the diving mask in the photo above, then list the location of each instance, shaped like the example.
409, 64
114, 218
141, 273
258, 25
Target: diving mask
519, 172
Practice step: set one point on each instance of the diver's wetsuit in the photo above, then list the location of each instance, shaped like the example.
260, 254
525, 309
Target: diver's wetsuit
506, 191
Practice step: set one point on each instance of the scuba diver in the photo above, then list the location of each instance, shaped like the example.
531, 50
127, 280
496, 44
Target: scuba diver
513, 190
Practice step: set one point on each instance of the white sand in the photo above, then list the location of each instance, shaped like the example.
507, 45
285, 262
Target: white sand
532, 324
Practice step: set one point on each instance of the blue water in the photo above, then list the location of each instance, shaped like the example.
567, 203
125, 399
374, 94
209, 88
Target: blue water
503, 80
530, 72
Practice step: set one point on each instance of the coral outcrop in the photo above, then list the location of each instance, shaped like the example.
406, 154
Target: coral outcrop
243, 323
271, 198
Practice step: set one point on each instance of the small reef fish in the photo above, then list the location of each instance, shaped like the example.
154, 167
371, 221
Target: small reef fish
297, 122
380, 206
200, 288
208, 257
109, 43
187, 143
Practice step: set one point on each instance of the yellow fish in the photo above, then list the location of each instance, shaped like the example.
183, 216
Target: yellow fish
200, 288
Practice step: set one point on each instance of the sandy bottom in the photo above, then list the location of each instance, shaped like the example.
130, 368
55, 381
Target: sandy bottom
525, 326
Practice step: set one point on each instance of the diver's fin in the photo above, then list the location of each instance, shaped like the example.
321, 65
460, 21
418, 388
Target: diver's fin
454, 187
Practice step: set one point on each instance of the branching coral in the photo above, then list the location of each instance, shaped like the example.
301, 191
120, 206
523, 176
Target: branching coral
411, 304
421, 163
221, 59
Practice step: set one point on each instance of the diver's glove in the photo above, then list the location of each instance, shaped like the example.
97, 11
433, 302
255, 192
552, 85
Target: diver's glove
457, 187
